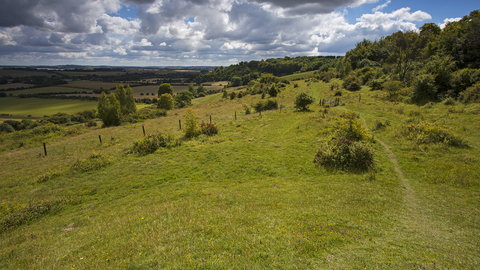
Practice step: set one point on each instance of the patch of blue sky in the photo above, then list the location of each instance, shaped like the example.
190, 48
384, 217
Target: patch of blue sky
126, 12
190, 19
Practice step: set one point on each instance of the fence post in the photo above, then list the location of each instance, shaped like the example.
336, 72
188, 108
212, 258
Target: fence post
143, 127
100, 138
45, 148
180, 123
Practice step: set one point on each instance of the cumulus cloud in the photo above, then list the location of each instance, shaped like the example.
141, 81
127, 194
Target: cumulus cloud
446, 21
382, 6
210, 32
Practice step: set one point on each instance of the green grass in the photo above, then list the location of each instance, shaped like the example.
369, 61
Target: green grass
40, 107
297, 76
250, 197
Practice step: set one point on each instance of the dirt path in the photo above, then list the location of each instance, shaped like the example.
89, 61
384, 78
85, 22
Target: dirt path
413, 221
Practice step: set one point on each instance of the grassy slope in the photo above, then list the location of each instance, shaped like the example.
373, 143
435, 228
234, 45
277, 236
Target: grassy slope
249, 197
52, 89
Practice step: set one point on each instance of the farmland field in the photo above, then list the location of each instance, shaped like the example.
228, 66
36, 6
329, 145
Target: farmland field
23, 73
52, 89
40, 107
250, 197
92, 85
15, 85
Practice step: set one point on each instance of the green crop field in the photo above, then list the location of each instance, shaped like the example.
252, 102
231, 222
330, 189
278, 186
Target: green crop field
251, 196
40, 107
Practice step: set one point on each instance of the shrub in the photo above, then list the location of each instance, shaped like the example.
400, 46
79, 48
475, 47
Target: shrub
91, 123
183, 99
351, 127
5, 127
208, 129
165, 102
381, 125
351, 83
273, 91
345, 154
191, 125
247, 109
93, 162
109, 110
302, 101
449, 101
225, 93
424, 89
152, 142
266, 105
233, 95
428, 133
471, 94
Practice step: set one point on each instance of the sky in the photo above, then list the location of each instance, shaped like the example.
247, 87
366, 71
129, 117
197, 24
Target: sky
203, 32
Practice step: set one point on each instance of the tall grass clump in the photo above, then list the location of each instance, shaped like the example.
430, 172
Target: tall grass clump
429, 133
350, 147
34, 211
152, 142
93, 162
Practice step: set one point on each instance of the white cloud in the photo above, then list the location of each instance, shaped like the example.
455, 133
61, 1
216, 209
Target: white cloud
222, 30
382, 6
446, 21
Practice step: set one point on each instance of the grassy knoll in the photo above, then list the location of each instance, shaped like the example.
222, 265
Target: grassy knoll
40, 107
249, 197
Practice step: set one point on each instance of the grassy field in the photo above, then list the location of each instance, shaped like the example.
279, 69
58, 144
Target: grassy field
23, 73
250, 197
52, 89
92, 85
40, 107
15, 85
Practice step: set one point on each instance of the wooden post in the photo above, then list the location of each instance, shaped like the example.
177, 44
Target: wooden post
45, 148
359, 98
100, 138
180, 123
235, 115
143, 127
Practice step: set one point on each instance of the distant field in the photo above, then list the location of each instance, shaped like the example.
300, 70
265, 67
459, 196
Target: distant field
22, 73
93, 85
85, 73
40, 107
52, 89
15, 85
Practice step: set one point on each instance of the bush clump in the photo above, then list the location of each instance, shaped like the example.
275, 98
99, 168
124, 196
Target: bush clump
93, 162
350, 147
150, 143
345, 154
429, 133
269, 104
209, 129
34, 211
350, 127
48, 176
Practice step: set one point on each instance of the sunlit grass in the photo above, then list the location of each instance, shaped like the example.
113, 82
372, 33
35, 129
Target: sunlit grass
250, 197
